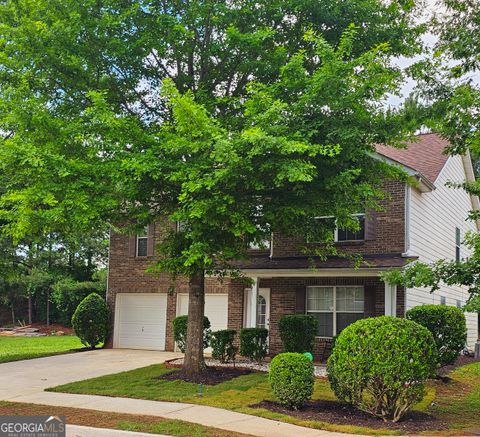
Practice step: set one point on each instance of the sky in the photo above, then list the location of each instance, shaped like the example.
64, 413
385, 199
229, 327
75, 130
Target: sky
432, 6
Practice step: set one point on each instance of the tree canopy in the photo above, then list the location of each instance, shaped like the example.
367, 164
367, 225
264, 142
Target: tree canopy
234, 118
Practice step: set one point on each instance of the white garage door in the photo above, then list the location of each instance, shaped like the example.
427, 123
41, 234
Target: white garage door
216, 309
140, 321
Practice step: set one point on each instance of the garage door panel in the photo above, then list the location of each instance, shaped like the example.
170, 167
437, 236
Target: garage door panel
216, 309
141, 321
142, 315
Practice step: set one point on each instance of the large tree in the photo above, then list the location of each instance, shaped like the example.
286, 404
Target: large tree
447, 99
236, 118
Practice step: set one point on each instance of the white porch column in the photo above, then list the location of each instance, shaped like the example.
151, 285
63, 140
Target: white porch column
252, 305
390, 300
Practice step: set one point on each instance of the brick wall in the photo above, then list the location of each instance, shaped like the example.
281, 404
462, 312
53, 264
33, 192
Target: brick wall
128, 274
283, 296
390, 230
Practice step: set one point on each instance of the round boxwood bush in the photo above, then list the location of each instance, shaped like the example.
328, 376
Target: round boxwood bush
298, 332
448, 327
180, 325
91, 320
291, 376
380, 365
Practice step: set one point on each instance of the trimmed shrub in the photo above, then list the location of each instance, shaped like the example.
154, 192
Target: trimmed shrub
291, 376
380, 365
91, 320
180, 325
222, 345
448, 327
298, 332
253, 343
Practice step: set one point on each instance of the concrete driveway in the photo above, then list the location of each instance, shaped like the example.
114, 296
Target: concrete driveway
25, 381
20, 378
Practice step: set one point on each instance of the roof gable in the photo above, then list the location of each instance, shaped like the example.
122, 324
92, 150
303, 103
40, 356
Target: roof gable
425, 155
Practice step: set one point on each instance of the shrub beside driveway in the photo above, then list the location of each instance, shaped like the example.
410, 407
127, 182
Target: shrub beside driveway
25, 348
455, 404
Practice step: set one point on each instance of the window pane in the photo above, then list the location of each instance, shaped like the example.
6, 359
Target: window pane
319, 298
350, 299
345, 319
142, 246
325, 324
261, 312
348, 235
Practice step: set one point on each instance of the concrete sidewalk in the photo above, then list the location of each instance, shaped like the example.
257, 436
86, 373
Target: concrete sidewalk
25, 381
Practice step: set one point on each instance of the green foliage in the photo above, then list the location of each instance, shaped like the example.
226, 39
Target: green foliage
472, 305
91, 320
254, 343
380, 365
180, 325
222, 345
459, 34
291, 376
68, 293
298, 332
448, 327
202, 114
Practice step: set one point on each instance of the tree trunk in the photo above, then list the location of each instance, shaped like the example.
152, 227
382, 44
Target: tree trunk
29, 309
194, 362
48, 308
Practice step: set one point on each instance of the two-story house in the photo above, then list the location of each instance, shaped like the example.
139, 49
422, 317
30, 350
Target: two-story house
427, 221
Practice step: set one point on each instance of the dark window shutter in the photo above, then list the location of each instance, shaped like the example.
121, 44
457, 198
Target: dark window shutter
300, 299
370, 297
370, 224
132, 246
151, 239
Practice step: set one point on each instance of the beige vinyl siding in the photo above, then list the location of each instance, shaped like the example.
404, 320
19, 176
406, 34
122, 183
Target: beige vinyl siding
433, 219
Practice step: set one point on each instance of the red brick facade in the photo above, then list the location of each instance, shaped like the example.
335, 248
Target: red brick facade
389, 230
127, 273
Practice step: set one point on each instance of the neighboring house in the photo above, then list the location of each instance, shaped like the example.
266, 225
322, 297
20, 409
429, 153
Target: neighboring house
427, 222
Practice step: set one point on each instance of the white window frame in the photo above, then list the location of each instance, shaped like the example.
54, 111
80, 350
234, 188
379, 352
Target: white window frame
334, 311
443, 300
335, 231
141, 237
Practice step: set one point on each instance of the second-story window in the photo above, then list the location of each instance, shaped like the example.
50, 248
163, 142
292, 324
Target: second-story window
348, 235
342, 234
142, 242
458, 244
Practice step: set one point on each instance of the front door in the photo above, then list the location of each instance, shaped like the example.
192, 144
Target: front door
263, 308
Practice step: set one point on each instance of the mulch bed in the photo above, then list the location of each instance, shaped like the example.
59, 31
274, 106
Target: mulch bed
210, 376
462, 360
344, 414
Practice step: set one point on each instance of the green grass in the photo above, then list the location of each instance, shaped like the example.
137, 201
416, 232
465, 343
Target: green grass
25, 348
126, 422
456, 403
237, 394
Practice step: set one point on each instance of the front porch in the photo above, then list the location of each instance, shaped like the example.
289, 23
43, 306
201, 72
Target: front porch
334, 300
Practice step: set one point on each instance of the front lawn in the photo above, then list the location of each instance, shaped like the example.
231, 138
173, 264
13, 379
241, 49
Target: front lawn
455, 403
24, 348
125, 422
237, 394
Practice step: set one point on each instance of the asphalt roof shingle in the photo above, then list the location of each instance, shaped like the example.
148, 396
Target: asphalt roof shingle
425, 155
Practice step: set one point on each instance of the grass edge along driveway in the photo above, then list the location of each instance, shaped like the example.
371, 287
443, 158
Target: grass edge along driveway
457, 402
124, 422
25, 348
